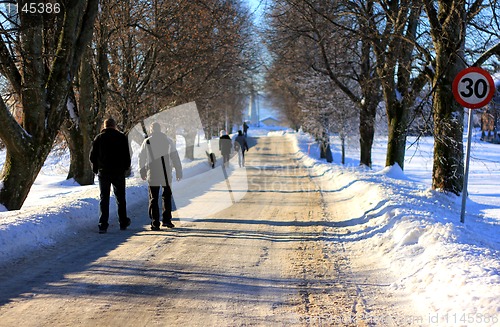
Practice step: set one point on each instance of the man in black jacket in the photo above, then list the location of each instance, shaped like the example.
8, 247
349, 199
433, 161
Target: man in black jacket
110, 158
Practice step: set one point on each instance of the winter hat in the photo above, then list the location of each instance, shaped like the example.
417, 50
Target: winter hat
223, 132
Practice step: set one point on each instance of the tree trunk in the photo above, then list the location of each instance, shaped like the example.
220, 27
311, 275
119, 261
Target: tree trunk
322, 150
448, 36
190, 139
370, 88
366, 132
78, 129
324, 146
102, 67
19, 173
43, 94
448, 165
79, 144
396, 143
342, 139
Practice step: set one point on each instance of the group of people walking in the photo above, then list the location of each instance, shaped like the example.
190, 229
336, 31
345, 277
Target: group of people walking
110, 159
226, 145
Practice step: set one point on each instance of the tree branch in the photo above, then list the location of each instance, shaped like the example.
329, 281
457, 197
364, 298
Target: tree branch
8, 68
432, 15
495, 50
11, 133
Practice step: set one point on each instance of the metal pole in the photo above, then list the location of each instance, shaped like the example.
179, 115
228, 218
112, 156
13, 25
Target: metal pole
466, 173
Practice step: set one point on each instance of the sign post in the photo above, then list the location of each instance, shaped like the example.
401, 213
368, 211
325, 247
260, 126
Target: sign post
473, 88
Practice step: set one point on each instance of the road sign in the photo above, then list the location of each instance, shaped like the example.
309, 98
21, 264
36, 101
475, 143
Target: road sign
473, 87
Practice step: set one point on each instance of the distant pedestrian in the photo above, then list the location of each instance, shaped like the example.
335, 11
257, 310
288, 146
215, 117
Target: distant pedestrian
241, 145
157, 157
245, 128
110, 159
225, 146
212, 160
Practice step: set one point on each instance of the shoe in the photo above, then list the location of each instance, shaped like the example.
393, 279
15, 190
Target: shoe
125, 225
103, 228
168, 224
155, 228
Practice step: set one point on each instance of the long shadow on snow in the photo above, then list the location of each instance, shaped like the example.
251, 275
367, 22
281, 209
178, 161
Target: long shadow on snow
33, 273
195, 282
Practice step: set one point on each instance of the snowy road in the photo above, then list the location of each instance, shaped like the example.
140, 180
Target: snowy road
264, 261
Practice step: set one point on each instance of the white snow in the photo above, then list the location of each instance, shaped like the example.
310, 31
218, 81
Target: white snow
71, 109
443, 272
450, 270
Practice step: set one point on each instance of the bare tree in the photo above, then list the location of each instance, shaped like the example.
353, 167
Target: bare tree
339, 49
327, 110
211, 56
88, 99
132, 55
285, 96
150, 56
450, 21
393, 31
80, 126
39, 58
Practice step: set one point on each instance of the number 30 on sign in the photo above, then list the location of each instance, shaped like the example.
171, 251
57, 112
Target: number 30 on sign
473, 87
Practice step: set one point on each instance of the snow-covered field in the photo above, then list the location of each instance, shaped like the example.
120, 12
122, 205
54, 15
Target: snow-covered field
451, 271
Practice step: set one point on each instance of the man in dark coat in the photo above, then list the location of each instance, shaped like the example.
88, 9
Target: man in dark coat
110, 159
245, 128
241, 145
157, 157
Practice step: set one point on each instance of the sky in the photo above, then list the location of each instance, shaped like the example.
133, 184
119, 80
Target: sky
257, 8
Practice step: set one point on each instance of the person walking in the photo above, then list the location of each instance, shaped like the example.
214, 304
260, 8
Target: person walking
241, 145
245, 128
157, 157
225, 145
110, 159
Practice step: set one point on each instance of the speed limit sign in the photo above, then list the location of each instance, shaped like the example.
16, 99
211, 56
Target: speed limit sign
473, 87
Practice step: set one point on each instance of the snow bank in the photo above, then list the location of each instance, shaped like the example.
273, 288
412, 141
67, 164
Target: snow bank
43, 225
57, 208
450, 270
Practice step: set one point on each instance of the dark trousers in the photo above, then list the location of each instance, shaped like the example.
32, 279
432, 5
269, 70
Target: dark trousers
241, 158
118, 183
154, 210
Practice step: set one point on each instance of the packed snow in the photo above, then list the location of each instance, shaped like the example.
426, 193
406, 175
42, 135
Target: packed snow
450, 271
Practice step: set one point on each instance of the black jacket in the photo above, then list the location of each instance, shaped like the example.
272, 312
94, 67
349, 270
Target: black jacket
110, 154
240, 143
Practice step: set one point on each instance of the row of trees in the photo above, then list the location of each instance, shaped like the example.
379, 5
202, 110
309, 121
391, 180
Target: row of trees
65, 72
399, 54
